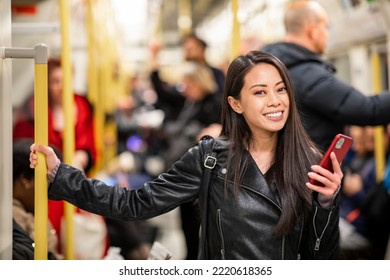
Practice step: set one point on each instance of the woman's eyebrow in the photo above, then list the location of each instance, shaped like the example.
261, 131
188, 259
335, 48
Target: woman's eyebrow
264, 85
258, 85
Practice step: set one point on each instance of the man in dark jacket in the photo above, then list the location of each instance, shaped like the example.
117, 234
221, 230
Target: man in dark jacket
326, 104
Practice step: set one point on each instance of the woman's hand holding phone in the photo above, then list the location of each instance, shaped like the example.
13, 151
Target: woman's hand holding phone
326, 177
329, 181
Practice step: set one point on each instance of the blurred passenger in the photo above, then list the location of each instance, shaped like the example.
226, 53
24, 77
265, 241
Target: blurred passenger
194, 49
200, 110
23, 207
358, 181
85, 148
376, 206
137, 119
326, 104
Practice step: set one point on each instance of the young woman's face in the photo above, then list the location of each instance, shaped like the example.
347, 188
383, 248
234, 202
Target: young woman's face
264, 101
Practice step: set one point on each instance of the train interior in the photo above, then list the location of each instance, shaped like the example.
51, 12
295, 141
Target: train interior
110, 43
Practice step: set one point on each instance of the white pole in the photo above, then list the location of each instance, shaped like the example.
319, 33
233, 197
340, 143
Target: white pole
6, 136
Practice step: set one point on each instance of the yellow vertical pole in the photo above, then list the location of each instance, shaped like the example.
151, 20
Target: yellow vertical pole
69, 130
235, 29
41, 137
103, 75
380, 157
184, 20
92, 58
39, 53
95, 33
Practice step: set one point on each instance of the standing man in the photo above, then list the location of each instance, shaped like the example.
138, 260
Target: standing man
326, 104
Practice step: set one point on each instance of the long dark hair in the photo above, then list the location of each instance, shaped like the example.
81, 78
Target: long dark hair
295, 152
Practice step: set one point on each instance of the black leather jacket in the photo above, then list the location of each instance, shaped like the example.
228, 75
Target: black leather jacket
237, 228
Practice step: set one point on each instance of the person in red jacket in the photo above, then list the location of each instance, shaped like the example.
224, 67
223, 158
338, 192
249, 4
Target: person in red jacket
85, 148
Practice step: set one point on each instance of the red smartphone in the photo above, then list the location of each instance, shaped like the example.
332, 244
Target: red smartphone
340, 146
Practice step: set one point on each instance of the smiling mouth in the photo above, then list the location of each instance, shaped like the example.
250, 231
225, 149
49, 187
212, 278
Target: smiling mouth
274, 115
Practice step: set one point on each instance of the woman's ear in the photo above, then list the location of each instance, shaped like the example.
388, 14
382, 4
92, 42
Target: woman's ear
235, 104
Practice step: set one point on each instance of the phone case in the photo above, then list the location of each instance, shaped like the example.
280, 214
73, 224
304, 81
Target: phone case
340, 146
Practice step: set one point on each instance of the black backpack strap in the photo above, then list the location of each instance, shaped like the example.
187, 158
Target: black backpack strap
210, 160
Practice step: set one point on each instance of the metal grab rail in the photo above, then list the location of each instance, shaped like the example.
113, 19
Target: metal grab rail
39, 53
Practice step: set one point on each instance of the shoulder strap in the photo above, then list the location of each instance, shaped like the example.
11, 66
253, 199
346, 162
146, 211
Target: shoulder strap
210, 160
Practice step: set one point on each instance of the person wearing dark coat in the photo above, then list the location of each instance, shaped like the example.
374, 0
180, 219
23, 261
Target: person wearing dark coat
23, 228
326, 104
258, 202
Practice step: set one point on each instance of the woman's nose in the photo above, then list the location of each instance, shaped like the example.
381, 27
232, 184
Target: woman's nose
273, 99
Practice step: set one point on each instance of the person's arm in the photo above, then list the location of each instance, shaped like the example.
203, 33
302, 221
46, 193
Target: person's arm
166, 92
179, 184
339, 101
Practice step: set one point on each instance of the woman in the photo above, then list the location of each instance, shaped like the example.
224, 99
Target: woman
258, 204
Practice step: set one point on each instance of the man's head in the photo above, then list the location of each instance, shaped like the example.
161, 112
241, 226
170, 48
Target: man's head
306, 24
194, 48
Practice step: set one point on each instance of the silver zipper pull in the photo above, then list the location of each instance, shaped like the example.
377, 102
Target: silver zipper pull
317, 247
222, 254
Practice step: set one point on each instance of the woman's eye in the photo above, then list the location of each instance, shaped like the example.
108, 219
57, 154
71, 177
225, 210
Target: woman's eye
282, 89
260, 92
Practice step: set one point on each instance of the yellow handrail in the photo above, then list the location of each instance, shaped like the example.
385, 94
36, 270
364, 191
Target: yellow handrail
380, 157
235, 30
69, 129
39, 53
41, 137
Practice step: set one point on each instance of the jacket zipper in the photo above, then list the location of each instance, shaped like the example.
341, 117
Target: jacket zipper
318, 238
219, 226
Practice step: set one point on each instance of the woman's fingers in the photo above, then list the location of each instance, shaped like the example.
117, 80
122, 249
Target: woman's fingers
330, 180
51, 157
336, 166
